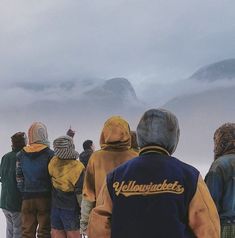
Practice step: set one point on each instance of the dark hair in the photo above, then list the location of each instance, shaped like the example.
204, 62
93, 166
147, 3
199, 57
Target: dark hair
18, 140
134, 144
87, 144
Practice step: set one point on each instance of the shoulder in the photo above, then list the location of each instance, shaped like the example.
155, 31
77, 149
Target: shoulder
53, 160
49, 151
9, 154
223, 166
82, 154
133, 153
79, 165
129, 164
97, 154
52, 164
184, 165
6, 158
187, 169
222, 162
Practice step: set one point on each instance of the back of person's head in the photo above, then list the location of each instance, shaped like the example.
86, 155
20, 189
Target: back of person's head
158, 127
18, 140
224, 140
134, 144
87, 144
64, 148
37, 134
115, 133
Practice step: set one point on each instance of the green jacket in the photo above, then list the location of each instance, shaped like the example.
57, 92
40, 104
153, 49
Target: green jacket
10, 196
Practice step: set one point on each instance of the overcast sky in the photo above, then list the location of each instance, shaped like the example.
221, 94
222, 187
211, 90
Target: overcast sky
151, 41
142, 40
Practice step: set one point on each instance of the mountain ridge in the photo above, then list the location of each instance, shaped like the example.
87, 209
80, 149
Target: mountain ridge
220, 70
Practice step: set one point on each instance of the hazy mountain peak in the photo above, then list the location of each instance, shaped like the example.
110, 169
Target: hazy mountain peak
217, 71
120, 86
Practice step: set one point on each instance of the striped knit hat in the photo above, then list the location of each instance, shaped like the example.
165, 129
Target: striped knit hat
64, 148
38, 134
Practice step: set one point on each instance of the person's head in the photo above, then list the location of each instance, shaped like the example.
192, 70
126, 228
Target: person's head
18, 140
134, 144
158, 127
64, 148
224, 140
88, 145
115, 134
37, 134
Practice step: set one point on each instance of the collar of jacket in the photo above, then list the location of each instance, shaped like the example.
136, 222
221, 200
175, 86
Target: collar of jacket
16, 150
34, 148
116, 146
153, 149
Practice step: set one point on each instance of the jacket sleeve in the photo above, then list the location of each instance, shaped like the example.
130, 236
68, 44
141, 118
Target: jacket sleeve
88, 196
203, 216
86, 207
78, 188
89, 183
214, 182
19, 174
100, 218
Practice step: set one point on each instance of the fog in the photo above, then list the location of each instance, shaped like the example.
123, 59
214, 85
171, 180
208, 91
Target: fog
86, 105
159, 41
55, 58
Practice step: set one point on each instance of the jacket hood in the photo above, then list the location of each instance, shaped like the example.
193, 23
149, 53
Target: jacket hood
224, 140
115, 134
37, 134
65, 173
158, 127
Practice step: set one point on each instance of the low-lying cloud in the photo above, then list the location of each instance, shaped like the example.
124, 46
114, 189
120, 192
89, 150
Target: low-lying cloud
160, 41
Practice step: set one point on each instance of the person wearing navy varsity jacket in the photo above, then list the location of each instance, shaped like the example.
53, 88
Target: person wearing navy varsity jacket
155, 194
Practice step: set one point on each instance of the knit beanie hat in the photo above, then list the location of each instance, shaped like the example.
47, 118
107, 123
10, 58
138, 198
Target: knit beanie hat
158, 127
224, 140
64, 148
38, 134
18, 140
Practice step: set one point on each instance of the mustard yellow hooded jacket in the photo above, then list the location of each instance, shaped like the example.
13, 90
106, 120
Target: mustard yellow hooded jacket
65, 173
115, 142
199, 213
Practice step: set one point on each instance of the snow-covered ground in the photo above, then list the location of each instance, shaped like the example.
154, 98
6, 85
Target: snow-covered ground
3, 224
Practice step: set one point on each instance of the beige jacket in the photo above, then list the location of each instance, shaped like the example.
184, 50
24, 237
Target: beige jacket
115, 143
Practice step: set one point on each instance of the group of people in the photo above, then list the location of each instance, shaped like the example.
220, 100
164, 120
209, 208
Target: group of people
132, 187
